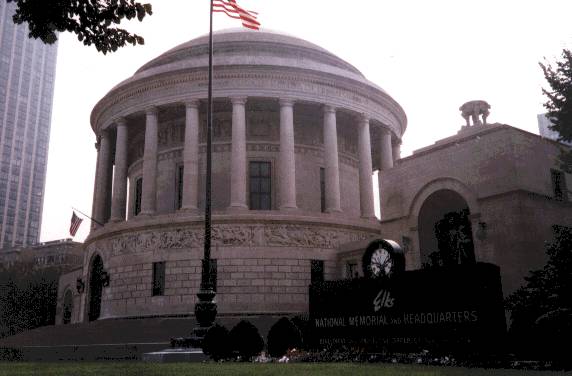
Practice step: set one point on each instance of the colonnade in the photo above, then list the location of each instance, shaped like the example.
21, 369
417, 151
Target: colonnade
112, 207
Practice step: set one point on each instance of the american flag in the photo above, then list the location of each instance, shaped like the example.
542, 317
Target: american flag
74, 225
231, 9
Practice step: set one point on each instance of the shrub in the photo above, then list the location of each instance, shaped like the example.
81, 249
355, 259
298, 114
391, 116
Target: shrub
246, 340
283, 336
216, 343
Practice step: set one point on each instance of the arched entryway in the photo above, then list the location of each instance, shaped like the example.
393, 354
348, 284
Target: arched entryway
445, 235
68, 307
95, 288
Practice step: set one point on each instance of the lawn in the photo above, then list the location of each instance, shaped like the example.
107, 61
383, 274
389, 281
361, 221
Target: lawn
247, 369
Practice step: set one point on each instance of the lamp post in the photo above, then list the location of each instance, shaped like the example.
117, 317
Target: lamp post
205, 308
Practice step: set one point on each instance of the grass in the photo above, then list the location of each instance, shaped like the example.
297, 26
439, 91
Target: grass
246, 369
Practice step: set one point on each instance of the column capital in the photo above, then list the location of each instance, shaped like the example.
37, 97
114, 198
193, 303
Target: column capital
384, 131
329, 109
191, 103
103, 134
238, 100
120, 122
286, 102
151, 110
364, 118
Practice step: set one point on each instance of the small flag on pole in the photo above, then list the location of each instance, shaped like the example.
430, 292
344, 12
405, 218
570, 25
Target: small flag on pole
231, 9
74, 225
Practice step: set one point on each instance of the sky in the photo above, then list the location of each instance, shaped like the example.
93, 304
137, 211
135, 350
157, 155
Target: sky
430, 56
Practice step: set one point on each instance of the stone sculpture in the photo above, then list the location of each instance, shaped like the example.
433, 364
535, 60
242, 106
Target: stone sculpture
473, 109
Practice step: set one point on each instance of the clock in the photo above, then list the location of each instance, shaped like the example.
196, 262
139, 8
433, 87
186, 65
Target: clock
383, 259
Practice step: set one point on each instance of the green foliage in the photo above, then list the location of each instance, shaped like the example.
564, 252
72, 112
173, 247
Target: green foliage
541, 310
28, 298
246, 340
216, 343
559, 103
94, 21
283, 336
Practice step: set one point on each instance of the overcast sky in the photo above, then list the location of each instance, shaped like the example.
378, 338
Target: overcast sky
430, 56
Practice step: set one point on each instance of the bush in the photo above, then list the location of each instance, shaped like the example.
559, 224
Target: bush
283, 336
246, 340
216, 343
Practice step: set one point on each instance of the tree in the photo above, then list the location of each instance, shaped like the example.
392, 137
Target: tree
28, 297
559, 103
541, 310
94, 21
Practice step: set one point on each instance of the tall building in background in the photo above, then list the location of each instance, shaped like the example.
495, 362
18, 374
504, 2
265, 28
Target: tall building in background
27, 70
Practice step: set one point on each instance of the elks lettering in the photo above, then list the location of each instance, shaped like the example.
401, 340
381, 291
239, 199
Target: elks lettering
383, 299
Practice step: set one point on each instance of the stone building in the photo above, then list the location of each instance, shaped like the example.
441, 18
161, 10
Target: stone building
297, 135
64, 254
506, 178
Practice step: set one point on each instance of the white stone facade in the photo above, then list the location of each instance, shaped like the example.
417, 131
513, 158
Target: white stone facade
279, 102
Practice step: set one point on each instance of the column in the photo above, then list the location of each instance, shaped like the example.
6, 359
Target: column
103, 175
385, 163
238, 156
149, 194
120, 175
191, 157
385, 150
365, 169
396, 152
287, 158
331, 163
95, 186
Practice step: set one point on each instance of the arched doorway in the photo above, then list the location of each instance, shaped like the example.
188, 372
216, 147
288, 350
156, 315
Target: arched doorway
445, 235
95, 288
68, 307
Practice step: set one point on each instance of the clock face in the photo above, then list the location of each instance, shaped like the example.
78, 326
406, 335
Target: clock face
381, 263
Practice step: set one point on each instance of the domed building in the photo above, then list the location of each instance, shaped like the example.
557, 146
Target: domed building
297, 133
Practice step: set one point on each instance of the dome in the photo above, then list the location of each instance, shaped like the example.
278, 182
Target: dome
263, 54
250, 48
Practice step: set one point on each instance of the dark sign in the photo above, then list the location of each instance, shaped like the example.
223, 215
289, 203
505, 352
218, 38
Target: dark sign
442, 308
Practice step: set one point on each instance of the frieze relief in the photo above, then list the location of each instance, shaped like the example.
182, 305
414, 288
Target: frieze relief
230, 235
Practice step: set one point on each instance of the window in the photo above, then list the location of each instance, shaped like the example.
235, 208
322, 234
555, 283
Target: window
159, 278
558, 185
138, 192
317, 271
323, 189
260, 186
180, 181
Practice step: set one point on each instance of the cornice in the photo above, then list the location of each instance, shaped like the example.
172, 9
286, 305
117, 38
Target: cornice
197, 78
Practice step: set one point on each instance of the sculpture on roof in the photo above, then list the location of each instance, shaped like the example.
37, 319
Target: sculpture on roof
474, 109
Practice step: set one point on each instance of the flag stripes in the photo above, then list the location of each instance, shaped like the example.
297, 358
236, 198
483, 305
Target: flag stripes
233, 10
75, 223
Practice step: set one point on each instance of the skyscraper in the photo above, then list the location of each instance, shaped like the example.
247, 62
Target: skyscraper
27, 70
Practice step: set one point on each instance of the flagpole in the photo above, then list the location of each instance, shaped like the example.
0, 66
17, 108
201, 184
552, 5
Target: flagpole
87, 216
205, 308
